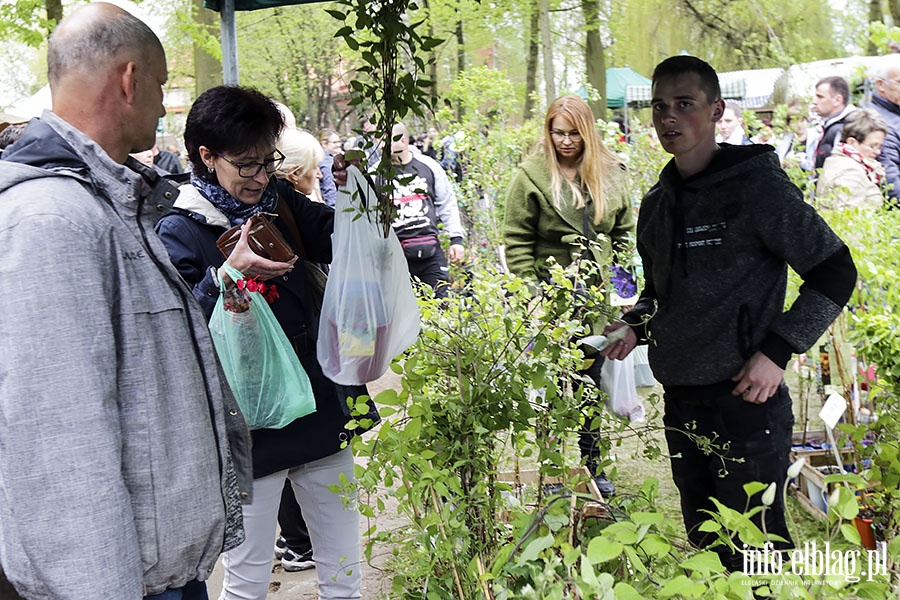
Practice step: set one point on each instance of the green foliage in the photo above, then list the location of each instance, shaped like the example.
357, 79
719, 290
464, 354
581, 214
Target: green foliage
484, 371
873, 327
24, 20
490, 147
883, 36
293, 56
730, 34
389, 79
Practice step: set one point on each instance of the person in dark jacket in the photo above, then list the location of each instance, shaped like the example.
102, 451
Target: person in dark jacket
886, 100
230, 137
832, 103
716, 235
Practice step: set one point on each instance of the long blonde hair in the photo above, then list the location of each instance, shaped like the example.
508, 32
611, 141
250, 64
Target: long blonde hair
596, 166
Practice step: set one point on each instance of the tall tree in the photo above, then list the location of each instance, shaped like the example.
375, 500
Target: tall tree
894, 8
460, 58
291, 54
547, 52
207, 63
534, 32
54, 14
432, 59
594, 56
876, 15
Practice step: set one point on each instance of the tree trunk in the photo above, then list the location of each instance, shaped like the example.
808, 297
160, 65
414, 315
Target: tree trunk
432, 57
460, 60
549, 74
207, 68
54, 13
595, 56
894, 7
534, 33
876, 15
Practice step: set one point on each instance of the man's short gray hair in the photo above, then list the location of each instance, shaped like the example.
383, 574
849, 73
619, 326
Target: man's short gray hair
885, 65
93, 46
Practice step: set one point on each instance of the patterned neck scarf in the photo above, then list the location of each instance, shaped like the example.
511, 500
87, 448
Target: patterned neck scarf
236, 211
874, 169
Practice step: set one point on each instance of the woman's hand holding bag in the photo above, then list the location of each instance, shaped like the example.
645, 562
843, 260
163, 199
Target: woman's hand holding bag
262, 369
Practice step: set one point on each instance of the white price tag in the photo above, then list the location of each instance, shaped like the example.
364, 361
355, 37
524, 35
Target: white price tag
834, 408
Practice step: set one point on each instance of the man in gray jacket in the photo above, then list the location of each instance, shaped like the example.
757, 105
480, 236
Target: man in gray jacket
123, 455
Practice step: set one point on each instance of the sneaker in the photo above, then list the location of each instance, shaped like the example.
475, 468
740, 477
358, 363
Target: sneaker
606, 487
550, 489
297, 562
280, 547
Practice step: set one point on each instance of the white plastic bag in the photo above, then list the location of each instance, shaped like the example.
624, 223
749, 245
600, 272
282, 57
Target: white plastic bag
617, 380
369, 311
643, 375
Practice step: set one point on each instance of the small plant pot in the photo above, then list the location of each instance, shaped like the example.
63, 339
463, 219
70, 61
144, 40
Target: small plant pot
866, 534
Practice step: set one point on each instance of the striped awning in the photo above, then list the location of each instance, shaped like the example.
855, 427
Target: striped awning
641, 94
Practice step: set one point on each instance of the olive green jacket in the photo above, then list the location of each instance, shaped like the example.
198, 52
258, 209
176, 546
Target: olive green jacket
535, 229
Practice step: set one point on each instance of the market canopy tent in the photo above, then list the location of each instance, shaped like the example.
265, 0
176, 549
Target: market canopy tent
640, 95
617, 81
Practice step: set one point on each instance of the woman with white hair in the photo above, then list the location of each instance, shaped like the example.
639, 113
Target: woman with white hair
302, 155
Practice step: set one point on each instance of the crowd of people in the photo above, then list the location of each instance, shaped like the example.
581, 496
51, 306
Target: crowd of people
857, 167
122, 446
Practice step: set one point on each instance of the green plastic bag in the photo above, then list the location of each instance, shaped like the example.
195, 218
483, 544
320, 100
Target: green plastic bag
260, 364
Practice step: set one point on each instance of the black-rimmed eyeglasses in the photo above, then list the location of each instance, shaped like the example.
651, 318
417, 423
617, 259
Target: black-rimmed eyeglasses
252, 169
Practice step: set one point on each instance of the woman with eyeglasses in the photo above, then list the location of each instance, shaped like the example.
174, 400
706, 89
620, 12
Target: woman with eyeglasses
230, 136
571, 188
852, 177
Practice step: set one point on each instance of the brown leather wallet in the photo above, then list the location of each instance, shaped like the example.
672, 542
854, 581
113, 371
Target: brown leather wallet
263, 237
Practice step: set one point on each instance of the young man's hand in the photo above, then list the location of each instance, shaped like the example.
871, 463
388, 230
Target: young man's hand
619, 349
758, 379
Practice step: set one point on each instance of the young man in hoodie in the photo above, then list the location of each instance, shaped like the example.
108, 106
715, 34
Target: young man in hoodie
716, 235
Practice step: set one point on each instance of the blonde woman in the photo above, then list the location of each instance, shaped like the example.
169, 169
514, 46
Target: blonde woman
302, 155
570, 188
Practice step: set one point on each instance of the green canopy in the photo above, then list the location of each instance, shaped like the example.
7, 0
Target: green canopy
617, 79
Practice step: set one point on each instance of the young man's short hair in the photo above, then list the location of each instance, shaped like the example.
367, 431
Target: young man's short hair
838, 85
681, 64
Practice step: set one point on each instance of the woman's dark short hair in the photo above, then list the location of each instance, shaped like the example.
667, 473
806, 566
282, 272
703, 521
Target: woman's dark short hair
681, 64
230, 119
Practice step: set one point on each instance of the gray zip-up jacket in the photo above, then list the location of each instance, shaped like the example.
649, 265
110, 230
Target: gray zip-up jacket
117, 478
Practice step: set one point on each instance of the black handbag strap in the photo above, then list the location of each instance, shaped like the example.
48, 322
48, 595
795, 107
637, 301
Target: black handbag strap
284, 211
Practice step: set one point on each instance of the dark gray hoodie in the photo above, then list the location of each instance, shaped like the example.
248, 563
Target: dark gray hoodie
715, 249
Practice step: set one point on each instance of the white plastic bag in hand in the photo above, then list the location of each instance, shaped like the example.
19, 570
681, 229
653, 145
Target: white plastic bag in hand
369, 311
617, 380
